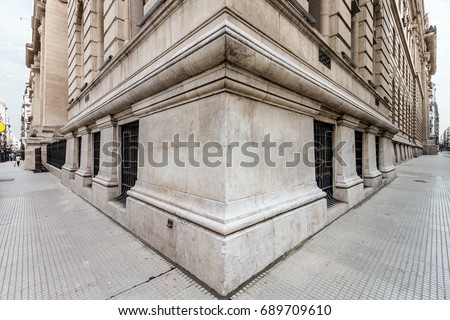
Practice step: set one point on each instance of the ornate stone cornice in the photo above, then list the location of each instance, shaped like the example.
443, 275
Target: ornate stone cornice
348, 121
227, 43
106, 122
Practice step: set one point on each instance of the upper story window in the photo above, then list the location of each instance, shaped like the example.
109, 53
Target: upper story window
315, 10
136, 12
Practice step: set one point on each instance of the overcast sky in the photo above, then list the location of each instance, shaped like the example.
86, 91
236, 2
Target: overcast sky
15, 31
439, 15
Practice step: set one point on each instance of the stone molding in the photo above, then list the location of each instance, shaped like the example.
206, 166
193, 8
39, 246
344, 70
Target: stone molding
106, 122
226, 218
348, 121
228, 43
372, 130
82, 131
349, 182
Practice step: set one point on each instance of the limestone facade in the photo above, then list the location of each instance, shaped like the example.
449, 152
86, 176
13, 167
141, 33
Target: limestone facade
46, 57
275, 117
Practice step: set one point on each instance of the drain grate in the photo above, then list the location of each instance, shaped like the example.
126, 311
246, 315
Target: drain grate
423, 181
7, 180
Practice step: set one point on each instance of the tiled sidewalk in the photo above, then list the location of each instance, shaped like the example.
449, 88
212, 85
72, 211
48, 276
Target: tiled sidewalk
394, 246
54, 245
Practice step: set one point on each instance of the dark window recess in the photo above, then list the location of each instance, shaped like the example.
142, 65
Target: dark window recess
130, 138
377, 151
355, 7
305, 13
56, 153
359, 152
37, 158
96, 155
79, 151
314, 9
136, 14
39, 167
323, 147
324, 59
395, 153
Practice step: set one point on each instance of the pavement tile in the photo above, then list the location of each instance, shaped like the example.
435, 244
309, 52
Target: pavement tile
55, 245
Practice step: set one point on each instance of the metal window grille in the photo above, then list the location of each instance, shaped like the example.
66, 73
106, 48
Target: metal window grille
395, 153
314, 9
324, 59
323, 147
56, 153
130, 138
136, 14
79, 151
359, 152
37, 158
377, 151
96, 154
39, 167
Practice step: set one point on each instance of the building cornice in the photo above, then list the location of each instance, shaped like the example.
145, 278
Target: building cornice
430, 40
227, 43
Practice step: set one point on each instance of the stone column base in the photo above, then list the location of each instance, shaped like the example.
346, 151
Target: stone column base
224, 262
430, 150
102, 192
30, 160
351, 195
83, 186
374, 182
67, 177
389, 175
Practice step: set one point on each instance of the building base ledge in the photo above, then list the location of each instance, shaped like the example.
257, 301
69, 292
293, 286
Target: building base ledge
226, 218
349, 182
105, 182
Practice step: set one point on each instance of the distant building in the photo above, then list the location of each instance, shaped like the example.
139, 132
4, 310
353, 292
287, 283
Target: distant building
445, 142
434, 116
6, 136
46, 57
430, 144
25, 118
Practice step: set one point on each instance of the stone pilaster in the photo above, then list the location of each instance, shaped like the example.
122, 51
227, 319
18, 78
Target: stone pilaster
116, 26
339, 25
372, 176
387, 166
348, 186
105, 185
70, 166
83, 176
32, 143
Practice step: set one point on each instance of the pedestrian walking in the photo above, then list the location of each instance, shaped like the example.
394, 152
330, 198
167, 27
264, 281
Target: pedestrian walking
18, 160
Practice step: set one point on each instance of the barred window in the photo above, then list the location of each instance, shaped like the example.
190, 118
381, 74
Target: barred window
315, 10
96, 153
136, 14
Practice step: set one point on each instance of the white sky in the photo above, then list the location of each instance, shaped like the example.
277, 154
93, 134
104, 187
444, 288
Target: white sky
15, 32
439, 15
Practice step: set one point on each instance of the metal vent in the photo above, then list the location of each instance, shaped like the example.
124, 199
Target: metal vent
324, 59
